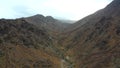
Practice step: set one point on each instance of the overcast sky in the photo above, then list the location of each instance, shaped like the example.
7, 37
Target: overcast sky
67, 9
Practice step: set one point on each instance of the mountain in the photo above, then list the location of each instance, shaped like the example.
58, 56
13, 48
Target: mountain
94, 41
23, 45
48, 22
53, 26
30, 42
46, 42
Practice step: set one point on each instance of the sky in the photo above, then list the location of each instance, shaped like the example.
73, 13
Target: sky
63, 9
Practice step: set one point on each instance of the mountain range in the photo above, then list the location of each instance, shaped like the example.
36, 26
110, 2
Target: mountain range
46, 42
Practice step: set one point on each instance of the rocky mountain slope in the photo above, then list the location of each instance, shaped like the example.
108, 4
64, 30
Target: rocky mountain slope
23, 45
53, 26
96, 42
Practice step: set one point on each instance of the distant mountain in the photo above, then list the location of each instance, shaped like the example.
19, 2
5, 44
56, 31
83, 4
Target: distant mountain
48, 22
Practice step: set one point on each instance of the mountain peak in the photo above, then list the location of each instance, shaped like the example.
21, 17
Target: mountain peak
115, 3
112, 9
38, 16
50, 18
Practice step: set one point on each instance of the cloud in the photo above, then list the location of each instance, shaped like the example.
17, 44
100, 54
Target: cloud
76, 9
69, 9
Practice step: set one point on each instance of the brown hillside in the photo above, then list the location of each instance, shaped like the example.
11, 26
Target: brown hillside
96, 43
44, 42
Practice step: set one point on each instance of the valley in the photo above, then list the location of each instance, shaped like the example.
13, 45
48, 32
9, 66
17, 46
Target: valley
45, 42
